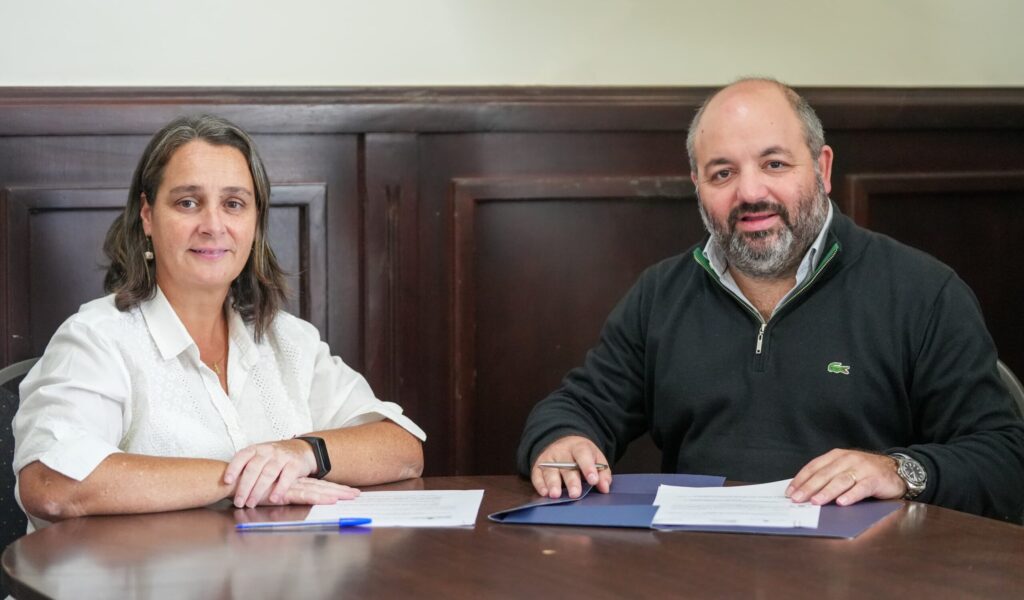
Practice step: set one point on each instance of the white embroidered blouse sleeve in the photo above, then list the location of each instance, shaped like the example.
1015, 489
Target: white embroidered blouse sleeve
73, 405
341, 397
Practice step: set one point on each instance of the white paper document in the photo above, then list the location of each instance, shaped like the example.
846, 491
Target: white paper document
435, 508
763, 505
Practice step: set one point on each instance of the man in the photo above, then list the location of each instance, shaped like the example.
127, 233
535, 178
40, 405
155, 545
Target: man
792, 344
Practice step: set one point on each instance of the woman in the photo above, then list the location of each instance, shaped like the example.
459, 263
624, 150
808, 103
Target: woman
188, 384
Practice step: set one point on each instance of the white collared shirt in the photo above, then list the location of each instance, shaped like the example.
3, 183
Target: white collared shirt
716, 257
113, 381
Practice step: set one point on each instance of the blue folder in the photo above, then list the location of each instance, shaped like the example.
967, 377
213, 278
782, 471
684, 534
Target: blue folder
630, 504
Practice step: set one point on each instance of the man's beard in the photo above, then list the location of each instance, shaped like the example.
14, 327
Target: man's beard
771, 253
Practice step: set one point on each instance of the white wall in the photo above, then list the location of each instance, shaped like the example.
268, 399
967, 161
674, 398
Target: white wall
510, 42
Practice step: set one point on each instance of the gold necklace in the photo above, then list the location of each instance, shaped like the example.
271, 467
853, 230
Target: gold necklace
216, 364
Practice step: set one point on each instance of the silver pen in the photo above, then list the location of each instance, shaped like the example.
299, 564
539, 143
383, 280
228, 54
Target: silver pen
568, 465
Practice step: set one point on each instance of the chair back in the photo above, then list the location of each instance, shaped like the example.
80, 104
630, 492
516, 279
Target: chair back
12, 520
1013, 384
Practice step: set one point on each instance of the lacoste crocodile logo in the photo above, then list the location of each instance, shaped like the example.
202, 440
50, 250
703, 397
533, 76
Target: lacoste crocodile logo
839, 368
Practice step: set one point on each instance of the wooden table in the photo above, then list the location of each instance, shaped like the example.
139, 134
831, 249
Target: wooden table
918, 552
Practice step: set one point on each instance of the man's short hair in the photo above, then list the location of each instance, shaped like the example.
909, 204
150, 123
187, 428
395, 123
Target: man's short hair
814, 133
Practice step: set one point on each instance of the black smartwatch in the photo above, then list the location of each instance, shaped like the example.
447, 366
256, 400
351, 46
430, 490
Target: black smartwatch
323, 460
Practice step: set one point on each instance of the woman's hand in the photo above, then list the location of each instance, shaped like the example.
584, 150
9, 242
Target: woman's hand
306, 490
277, 473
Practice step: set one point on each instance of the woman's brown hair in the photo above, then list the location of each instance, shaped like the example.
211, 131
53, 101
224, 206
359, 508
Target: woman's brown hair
259, 291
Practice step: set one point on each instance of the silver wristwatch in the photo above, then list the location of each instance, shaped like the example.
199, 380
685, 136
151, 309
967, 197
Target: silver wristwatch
912, 474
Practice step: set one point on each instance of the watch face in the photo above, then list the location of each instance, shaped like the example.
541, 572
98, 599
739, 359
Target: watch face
323, 459
912, 472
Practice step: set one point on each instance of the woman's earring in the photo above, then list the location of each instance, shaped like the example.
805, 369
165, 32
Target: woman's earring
148, 254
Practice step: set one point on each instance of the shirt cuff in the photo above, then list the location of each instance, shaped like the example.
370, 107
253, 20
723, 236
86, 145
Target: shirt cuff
76, 457
390, 411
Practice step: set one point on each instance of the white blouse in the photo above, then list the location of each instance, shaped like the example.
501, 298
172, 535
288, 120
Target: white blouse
132, 381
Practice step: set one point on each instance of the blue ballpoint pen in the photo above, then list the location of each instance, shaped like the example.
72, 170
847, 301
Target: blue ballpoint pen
346, 522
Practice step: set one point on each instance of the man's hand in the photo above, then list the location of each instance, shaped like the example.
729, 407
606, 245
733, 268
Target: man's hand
572, 448
847, 476
276, 473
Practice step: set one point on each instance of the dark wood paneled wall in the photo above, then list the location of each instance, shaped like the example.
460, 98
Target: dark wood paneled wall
461, 247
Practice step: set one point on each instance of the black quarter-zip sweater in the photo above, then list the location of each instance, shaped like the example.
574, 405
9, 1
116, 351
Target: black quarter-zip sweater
883, 348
